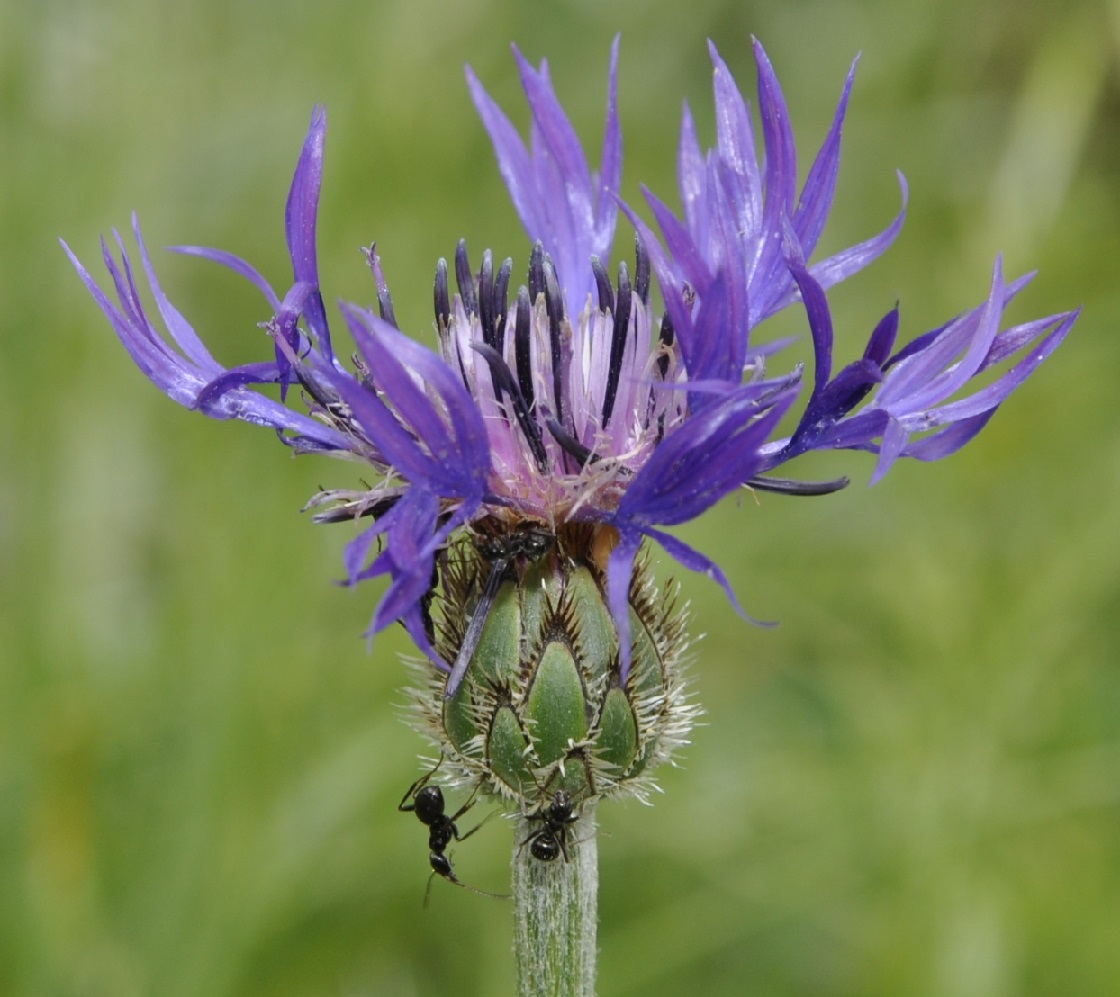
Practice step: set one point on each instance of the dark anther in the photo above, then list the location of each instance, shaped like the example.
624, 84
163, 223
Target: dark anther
603, 283
786, 486
350, 511
641, 272
569, 444
536, 271
618, 342
501, 306
465, 279
384, 301
442, 299
554, 304
486, 315
521, 409
521, 331
316, 387
486, 298
385, 307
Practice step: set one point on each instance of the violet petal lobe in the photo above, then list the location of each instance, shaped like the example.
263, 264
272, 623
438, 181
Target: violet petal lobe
300, 221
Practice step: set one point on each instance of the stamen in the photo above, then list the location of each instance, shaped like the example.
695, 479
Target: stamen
554, 304
618, 342
569, 444
536, 272
465, 279
356, 509
641, 272
603, 283
501, 306
365, 375
384, 301
502, 375
521, 348
314, 385
486, 298
786, 486
442, 298
486, 312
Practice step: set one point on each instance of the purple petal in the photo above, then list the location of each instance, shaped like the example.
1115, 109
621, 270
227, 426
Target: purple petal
820, 186
780, 174
692, 180
236, 264
684, 252
300, 219
303, 201
449, 457
843, 265
185, 337
692, 559
713, 453
816, 309
513, 157
235, 377
736, 143
620, 567
992, 395
947, 441
882, 340
922, 379
895, 438
610, 170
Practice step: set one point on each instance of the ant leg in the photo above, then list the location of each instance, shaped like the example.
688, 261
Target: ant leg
462, 810
404, 806
466, 806
444, 870
428, 891
485, 820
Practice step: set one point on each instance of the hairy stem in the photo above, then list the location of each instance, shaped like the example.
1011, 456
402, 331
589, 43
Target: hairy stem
556, 911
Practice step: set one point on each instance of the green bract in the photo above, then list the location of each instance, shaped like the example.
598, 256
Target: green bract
542, 706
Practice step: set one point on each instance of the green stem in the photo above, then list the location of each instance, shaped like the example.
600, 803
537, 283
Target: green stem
556, 912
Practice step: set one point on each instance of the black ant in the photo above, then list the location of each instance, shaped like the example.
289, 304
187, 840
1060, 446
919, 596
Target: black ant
503, 552
427, 803
551, 840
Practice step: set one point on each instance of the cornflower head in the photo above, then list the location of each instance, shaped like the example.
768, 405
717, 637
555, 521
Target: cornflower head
561, 422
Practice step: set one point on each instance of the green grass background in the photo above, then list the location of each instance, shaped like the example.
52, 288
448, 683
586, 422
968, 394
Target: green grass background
912, 786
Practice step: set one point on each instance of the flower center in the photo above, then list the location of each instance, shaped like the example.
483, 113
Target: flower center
573, 405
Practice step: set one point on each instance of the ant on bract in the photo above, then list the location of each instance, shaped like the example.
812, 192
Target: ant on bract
551, 840
428, 804
526, 544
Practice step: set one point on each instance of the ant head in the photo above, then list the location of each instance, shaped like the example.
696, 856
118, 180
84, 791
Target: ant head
534, 543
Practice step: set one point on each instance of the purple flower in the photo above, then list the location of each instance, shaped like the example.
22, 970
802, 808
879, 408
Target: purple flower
568, 403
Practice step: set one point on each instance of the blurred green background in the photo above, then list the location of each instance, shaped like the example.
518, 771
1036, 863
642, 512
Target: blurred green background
912, 786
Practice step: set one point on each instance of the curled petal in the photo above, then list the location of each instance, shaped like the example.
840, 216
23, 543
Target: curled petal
300, 220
